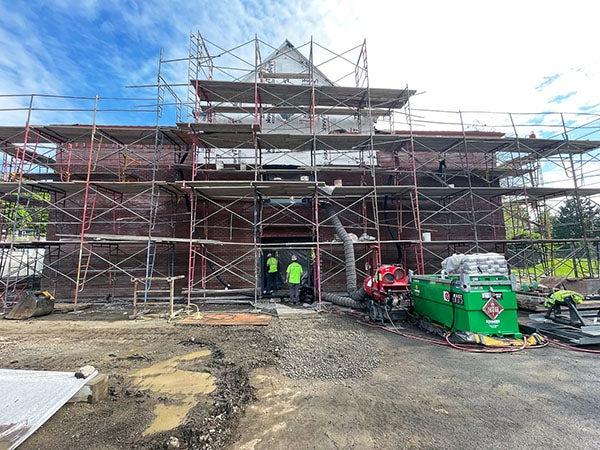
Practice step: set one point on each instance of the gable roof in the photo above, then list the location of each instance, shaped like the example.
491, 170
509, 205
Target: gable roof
288, 49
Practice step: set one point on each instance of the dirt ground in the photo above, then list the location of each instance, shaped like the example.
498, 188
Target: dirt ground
319, 382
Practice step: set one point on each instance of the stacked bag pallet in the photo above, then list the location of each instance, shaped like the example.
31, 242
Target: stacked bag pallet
476, 264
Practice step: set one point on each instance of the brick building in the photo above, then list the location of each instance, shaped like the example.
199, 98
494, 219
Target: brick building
256, 168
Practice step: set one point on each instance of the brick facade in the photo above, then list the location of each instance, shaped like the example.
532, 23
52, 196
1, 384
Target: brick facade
173, 216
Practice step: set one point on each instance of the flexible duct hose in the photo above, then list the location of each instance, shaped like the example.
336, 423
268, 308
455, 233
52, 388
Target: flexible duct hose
341, 300
354, 294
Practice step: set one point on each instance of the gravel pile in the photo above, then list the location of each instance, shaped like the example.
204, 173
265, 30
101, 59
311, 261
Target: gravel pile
323, 349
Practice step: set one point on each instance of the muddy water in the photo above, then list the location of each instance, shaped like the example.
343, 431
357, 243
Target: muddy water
183, 388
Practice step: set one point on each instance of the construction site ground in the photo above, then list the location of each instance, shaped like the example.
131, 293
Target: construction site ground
324, 381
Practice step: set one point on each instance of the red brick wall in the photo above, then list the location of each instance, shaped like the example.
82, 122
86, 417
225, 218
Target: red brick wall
173, 221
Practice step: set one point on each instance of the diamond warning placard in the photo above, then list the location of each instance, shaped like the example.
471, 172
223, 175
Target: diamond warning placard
492, 308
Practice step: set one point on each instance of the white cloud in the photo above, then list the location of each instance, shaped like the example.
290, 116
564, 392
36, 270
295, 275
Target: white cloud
475, 55
468, 55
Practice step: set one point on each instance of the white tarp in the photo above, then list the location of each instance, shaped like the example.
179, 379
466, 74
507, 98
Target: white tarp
28, 398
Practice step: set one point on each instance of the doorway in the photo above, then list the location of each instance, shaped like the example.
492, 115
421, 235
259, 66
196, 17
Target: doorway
283, 253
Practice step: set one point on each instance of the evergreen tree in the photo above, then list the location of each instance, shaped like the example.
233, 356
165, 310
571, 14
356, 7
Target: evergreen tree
568, 224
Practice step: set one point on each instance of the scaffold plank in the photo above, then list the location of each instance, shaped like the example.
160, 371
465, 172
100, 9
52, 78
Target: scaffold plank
517, 191
226, 189
490, 174
82, 133
132, 239
240, 136
399, 142
218, 91
324, 110
30, 156
216, 189
215, 127
124, 187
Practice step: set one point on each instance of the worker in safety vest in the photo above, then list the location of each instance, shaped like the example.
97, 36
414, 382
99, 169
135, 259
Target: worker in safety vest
562, 297
293, 276
272, 273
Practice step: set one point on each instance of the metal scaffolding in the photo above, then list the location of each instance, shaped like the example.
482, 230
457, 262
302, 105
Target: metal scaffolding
241, 159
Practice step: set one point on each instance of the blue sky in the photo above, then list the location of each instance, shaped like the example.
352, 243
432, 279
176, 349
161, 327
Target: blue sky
499, 56
87, 47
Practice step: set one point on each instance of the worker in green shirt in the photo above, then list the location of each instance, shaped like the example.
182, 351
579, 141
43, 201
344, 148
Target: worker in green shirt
293, 276
272, 273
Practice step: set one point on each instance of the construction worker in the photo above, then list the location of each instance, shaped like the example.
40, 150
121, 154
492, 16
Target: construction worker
293, 276
563, 296
442, 167
272, 273
570, 299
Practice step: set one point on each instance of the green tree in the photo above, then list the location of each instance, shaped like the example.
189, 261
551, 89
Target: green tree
29, 215
516, 220
569, 223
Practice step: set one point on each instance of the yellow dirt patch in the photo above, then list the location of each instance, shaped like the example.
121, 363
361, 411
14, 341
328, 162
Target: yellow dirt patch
183, 387
168, 417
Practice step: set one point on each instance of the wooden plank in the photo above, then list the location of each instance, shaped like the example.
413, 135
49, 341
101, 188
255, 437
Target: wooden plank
530, 302
69, 307
224, 319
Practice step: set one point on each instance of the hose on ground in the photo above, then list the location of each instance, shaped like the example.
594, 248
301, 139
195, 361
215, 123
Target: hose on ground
341, 300
573, 348
445, 342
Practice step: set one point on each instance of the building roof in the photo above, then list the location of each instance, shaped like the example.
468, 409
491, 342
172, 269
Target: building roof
288, 49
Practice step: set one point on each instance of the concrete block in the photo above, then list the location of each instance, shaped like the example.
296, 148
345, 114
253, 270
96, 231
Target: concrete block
93, 391
287, 312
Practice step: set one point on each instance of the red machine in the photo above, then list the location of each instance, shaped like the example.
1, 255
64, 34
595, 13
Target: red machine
387, 292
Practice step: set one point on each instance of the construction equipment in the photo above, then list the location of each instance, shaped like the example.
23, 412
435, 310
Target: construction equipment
474, 294
482, 304
478, 296
32, 304
384, 292
387, 292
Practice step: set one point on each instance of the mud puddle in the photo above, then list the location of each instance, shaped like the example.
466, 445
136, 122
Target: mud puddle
181, 389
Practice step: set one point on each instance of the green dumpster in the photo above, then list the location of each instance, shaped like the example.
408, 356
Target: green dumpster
483, 304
